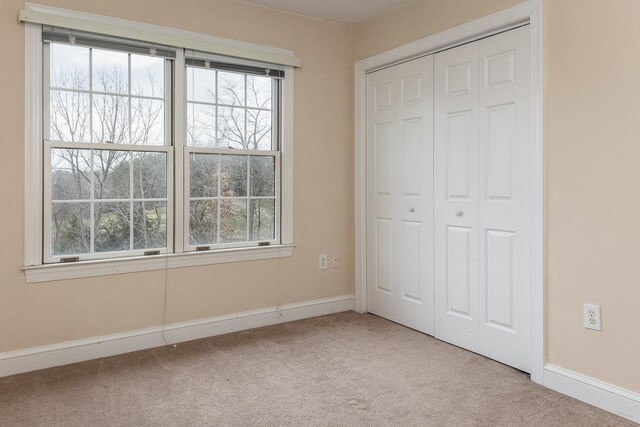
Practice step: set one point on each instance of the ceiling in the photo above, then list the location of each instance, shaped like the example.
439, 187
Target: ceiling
343, 11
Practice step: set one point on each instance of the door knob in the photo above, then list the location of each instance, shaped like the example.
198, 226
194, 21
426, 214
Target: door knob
412, 209
459, 213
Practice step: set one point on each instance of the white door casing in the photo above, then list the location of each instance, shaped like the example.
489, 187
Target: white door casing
400, 193
483, 197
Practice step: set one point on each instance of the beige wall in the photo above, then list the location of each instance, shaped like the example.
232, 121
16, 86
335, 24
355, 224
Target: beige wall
40, 314
592, 177
592, 144
420, 19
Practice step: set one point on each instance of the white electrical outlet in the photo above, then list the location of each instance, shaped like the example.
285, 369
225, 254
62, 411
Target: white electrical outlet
322, 262
335, 260
592, 317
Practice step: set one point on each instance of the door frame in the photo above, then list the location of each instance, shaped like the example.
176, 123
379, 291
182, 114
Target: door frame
529, 12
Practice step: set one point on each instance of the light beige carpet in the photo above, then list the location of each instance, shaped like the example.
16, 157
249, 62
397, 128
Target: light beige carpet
344, 369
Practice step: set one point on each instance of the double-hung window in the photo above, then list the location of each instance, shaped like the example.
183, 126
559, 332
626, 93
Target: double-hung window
107, 148
232, 151
119, 181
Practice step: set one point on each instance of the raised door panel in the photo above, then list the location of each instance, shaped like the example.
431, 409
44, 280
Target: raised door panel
384, 161
384, 255
412, 138
458, 146
500, 271
458, 277
411, 257
501, 141
458, 79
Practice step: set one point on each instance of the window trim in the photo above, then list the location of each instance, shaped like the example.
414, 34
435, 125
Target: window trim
37, 271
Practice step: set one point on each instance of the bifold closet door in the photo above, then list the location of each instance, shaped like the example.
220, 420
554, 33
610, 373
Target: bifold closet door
400, 193
482, 195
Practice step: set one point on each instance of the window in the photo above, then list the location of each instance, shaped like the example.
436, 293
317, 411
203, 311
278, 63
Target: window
107, 145
233, 158
119, 182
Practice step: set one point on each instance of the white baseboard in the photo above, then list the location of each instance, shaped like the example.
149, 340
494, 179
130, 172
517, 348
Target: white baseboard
32, 359
605, 396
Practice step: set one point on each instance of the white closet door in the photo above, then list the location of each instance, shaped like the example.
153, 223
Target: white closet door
456, 196
400, 193
505, 199
483, 197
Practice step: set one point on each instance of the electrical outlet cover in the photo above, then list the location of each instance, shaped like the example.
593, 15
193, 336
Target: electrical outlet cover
592, 317
323, 262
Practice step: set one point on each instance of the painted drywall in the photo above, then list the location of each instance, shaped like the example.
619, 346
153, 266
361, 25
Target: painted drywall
592, 63
592, 105
46, 313
419, 19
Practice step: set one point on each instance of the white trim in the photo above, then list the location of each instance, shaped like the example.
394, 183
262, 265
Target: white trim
531, 12
81, 21
33, 148
286, 158
76, 351
605, 396
537, 191
106, 267
179, 142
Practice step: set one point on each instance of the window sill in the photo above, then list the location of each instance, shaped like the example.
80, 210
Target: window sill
94, 268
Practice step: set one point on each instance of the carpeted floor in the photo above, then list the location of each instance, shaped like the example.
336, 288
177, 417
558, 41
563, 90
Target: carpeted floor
344, 369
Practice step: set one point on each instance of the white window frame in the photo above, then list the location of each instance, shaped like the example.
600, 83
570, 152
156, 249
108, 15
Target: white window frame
277, 111
35, 268
166, 148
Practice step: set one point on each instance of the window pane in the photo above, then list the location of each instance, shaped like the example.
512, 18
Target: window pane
147, 76
203, 175
149, 225
259, 92
149, 175
111, 119
201, 85
231, 90
262, 219
201, 125
69, 66
233, 176
112, 231
70, 174
263, 176
110, 71
147, 121
259, 130
233, 220
111, 174
69, 116
203, 222
231, 132
70, 228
